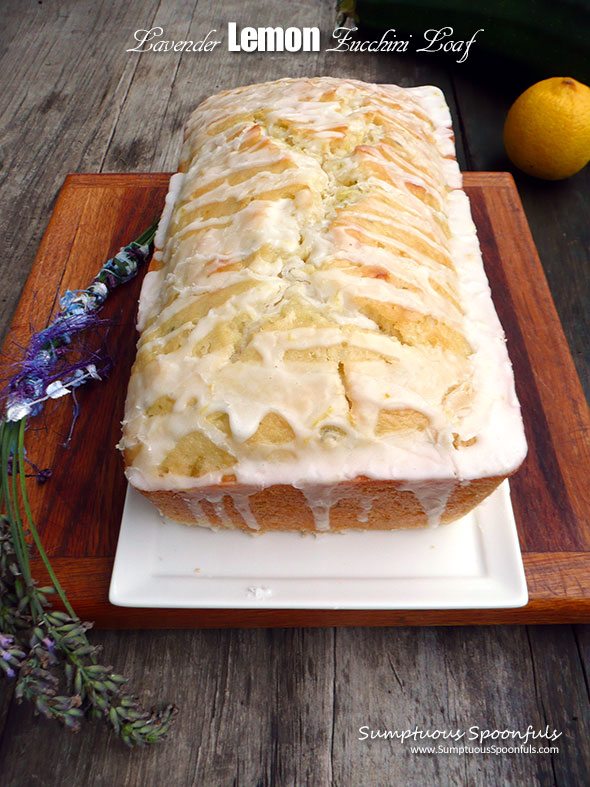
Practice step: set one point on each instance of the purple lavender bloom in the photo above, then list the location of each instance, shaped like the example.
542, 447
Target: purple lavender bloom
43, 475
49, 644
44, 374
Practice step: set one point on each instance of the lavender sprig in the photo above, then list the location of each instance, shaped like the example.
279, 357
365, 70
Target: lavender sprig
46, 650
45, 372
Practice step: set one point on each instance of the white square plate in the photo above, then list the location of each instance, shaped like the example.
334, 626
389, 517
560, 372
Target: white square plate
473, 563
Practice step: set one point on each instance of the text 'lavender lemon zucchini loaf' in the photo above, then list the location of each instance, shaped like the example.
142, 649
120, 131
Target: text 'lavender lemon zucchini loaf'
318, 345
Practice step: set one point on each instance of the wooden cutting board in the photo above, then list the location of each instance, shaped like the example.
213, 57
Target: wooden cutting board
78, 511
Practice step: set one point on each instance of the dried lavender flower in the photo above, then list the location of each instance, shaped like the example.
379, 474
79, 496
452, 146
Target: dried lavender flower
45, 371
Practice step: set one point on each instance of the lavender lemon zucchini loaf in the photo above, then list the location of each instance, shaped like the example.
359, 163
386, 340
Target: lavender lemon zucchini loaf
318, 346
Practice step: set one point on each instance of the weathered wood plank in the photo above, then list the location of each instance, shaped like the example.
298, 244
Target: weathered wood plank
433, 679
582, 637
562, 694
143, 139
6, 699
255, 708
65, 75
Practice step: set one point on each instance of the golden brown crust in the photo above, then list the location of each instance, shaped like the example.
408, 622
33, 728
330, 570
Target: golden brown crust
283, 507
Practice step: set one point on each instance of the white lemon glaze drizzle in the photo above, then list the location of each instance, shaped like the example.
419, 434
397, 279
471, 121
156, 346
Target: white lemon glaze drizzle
432, 497
304, 249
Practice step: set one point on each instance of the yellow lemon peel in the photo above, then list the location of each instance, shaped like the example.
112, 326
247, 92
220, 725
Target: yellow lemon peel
547, 130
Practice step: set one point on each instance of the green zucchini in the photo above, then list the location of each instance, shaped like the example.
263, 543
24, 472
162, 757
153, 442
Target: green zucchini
548, 37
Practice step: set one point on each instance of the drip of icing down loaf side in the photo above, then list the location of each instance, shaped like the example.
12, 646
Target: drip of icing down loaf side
239, 498
433, 497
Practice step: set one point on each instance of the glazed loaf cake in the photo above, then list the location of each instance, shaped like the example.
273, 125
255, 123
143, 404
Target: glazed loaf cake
318, 345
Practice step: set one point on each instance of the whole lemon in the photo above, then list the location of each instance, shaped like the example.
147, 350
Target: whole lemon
547, 130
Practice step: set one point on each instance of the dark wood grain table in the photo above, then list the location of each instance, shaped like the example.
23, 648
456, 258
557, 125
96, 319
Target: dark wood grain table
278, 706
